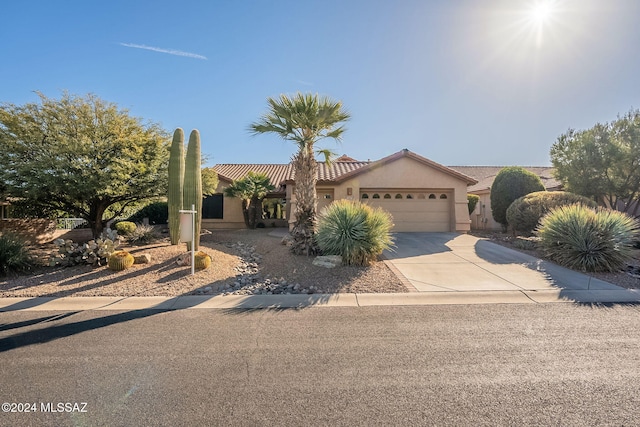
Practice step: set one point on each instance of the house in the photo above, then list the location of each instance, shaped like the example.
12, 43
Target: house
422, 195
481, 217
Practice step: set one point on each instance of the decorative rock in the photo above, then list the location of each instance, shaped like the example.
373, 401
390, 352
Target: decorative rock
142, 259
328, 261
184, 259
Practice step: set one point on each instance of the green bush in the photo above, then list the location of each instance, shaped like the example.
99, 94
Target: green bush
14, 255
587, 239
510, 183
524, 214
355, 231
157, 212
473, 201
124, 228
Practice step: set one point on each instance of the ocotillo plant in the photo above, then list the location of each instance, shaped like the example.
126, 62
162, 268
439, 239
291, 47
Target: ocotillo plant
192, 186
176, 179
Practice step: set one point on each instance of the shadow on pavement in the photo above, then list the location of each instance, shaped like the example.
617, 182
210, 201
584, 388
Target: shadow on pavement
239, 306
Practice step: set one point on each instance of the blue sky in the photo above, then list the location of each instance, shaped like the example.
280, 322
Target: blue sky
462, 82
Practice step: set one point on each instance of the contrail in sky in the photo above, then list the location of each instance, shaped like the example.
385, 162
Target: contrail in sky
161, 50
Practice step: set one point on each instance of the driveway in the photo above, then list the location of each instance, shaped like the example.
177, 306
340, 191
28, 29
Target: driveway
451, 262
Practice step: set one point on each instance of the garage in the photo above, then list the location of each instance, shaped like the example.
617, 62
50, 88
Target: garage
414, 210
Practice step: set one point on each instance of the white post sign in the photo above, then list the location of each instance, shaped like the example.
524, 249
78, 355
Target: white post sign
188, 232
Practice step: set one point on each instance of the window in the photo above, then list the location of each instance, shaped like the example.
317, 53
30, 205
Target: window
376, 196
364, 196
432, 196
398, 196
409, 196
327, 196
387, 196
443, 196
213, 207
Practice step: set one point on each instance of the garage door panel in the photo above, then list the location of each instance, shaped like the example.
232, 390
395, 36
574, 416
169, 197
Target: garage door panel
417, 214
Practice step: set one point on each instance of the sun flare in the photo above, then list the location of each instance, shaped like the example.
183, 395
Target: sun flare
541, 12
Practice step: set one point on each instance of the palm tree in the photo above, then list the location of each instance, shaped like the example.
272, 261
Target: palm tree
251, 189
304, 119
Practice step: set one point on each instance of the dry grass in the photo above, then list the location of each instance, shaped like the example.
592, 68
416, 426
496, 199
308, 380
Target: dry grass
164, 278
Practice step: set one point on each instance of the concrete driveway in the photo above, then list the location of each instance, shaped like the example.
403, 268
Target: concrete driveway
451, 262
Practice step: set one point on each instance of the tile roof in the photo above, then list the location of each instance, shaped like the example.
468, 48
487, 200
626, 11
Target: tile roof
337, 169
277, 173
344, 167
486, 174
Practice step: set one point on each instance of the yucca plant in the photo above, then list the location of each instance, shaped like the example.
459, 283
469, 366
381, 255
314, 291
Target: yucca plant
587, 239
14, 255
355, 231
143, 234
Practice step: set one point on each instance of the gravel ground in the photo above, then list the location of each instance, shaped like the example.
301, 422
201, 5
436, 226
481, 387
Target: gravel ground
162, 277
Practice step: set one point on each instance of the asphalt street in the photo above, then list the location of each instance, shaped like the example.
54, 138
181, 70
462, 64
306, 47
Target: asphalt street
545, 364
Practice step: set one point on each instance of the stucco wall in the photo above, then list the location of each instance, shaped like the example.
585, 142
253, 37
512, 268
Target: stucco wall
481, 217
405, 173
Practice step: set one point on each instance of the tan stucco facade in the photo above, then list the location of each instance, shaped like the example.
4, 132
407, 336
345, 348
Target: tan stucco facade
421, 195
404, 175
481, 217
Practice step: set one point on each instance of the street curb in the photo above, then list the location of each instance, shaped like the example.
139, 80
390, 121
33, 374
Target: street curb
622, 296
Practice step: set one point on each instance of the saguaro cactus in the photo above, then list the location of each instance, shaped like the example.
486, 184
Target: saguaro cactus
192, 186
176, 179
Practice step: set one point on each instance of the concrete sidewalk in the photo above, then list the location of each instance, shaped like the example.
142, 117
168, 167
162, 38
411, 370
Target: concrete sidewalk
319, 300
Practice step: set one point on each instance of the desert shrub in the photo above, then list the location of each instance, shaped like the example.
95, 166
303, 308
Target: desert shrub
473, 201
124, 228
14, 254
587, 239
510, 183
157, 212
524, 214
143, 234
355, 231
526, 244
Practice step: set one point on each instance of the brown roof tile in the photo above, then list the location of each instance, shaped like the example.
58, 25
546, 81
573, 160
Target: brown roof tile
486, 174
277, 173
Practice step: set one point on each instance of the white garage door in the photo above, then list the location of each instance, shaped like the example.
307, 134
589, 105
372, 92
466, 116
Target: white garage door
423, 210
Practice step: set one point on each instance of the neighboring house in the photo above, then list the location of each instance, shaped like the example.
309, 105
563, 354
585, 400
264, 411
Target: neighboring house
481, 217
422, 195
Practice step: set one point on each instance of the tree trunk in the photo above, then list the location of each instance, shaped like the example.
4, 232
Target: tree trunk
245, 212
255, 207
96, 212
303, 232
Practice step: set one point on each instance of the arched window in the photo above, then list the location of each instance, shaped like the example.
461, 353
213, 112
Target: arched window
364, 196
398, 196
432, 196
443, 196
387, 196
409, 196
376, 196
